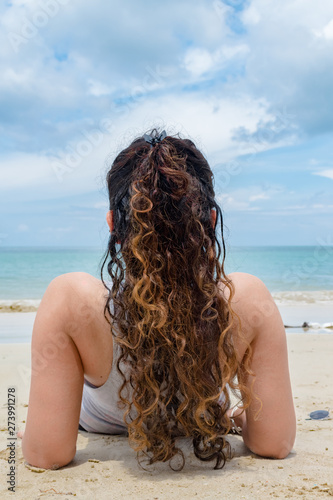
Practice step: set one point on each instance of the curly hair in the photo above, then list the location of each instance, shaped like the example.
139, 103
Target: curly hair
170, 319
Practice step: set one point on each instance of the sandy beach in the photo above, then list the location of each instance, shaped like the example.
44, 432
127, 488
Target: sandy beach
106, 467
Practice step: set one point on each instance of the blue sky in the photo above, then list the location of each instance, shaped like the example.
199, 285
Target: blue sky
249, 81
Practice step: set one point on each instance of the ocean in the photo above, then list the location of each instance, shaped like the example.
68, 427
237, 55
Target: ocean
297, 277
293, 274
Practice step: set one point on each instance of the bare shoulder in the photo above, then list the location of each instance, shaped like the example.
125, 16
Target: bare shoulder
76, 280
81, 294
245, 280
78, 287
252, 302
247, 286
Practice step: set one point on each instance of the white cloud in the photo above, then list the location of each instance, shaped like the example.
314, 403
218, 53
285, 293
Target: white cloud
295, 207
198, 61
293, 210
241, 199
207, 119
22, 228
38, 177
80, 163
50, 229
230, 204
101, 204
12, 77
325, 173
260, 196
98, 88
22, 170
326, 32
251, 16
286, 64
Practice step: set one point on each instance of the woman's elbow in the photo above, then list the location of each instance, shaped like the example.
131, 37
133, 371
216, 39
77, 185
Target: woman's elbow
279, 449
276, 444
47, 460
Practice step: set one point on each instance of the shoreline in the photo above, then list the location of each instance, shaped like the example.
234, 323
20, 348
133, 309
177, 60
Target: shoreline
282, 298
295, 315
16, 327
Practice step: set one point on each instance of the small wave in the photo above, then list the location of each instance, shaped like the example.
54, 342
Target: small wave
281, 298
303, 297
23, 305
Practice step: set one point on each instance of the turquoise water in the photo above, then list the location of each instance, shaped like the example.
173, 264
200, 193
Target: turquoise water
286, 268
26, 272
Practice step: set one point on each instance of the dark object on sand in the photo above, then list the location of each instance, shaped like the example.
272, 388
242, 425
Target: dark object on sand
305, 325
319, 415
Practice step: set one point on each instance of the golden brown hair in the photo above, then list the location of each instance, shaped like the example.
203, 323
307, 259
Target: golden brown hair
173, 325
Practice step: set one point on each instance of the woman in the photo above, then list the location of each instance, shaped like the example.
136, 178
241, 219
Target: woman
158, 354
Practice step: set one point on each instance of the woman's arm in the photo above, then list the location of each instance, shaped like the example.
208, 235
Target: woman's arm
70, 339
268, 430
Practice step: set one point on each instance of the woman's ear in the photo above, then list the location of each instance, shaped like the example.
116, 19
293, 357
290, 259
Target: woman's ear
109, 220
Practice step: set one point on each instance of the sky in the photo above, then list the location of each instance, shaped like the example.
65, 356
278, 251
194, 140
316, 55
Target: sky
250, 82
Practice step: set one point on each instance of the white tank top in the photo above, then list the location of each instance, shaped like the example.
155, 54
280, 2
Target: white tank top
100, 411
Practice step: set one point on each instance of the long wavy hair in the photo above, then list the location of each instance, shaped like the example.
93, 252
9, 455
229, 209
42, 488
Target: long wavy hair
172, 323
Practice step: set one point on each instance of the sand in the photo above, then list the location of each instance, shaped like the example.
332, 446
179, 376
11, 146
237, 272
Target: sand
105, 467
